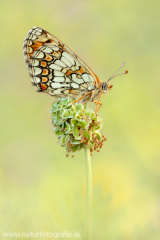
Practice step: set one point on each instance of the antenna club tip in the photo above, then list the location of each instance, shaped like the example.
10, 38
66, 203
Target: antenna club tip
126, 71
123, 63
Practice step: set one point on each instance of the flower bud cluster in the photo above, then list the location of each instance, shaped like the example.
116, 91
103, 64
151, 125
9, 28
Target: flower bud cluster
76, 126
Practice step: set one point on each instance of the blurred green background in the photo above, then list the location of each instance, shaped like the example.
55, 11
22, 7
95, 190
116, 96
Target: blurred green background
41, 189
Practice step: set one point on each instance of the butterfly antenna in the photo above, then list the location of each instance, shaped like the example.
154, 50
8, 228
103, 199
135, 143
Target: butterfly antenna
113, 76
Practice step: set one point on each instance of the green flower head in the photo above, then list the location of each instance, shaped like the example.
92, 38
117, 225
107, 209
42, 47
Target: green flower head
76, 125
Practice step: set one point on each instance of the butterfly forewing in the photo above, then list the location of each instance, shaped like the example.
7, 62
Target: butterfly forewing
54, 68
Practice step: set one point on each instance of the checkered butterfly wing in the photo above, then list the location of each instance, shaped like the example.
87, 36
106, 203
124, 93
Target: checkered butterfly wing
54, 68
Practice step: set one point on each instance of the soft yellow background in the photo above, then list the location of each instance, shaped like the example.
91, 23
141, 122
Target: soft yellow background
41, 189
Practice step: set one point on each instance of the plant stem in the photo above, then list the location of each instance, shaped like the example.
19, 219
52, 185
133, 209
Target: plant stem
89, 193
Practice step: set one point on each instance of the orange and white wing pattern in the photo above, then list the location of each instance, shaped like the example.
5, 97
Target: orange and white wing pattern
54, 68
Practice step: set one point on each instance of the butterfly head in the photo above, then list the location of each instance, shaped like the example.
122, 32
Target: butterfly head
106, 87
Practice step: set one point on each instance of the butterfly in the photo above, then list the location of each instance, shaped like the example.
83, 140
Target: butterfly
55, 69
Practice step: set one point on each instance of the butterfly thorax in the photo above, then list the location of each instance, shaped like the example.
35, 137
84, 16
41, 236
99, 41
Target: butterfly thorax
96, 92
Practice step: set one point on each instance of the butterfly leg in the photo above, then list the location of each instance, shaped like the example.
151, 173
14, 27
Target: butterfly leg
89, 93
98, 102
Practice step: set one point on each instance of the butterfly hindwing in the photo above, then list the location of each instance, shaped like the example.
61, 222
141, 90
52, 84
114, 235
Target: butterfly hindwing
54, 68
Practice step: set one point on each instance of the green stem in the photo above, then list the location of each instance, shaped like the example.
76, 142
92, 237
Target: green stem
89, 192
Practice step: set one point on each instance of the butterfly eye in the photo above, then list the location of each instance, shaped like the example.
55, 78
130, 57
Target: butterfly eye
104, 86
